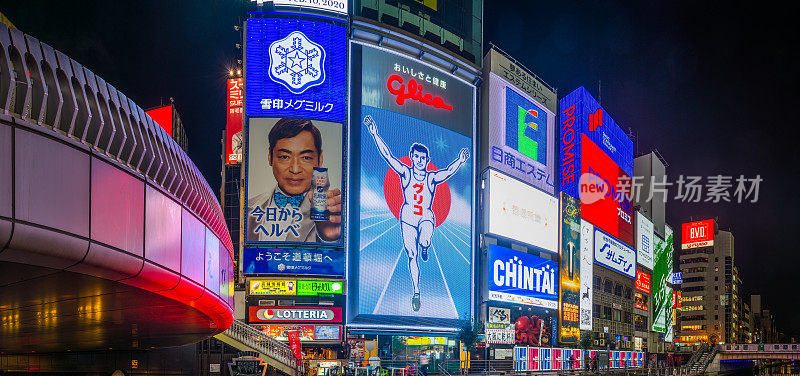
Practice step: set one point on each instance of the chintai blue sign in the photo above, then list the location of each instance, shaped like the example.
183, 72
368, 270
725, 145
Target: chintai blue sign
518, 277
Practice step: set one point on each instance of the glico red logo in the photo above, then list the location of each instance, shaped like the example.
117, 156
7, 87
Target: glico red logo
413, 91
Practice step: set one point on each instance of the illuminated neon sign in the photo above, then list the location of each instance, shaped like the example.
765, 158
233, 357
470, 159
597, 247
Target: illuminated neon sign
413, 91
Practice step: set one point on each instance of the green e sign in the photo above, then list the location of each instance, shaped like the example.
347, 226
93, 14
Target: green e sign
319, 287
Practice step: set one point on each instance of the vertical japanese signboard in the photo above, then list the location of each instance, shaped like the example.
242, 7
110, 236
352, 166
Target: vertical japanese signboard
234, 141
644, 241
295, 104
662, 291
596, 158
570, 271
587, 274
413, 128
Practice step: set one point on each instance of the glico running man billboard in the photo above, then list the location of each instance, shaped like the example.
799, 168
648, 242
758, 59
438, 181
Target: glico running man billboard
570, 271
521, 135
295, 100
411, 242
595, 156
662, 292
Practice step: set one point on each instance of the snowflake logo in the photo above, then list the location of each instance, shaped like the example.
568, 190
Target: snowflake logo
296, 62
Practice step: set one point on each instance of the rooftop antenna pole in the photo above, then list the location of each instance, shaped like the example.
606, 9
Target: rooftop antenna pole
600, 92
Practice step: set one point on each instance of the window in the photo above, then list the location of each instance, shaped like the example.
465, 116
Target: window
716, 278
694, 260
627, 318
618, 290
694, 279
640, 323
716, 288
608, 286
693, 318
598, 282
596, 311
694, 288
616, 315
716, 259
607, 313
628, 293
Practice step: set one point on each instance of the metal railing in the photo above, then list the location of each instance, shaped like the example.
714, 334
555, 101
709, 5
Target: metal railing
264, 344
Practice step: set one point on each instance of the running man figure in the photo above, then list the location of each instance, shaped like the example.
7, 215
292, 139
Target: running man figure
417, 220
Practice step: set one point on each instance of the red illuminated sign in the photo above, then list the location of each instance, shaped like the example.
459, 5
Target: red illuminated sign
162, 116
294, 314
233, 125
413, 91
676, 299
601, 202
698, 234
642, 281
639, 301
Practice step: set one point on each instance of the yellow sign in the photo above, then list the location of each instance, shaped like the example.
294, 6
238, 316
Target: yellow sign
273, 287
429, 3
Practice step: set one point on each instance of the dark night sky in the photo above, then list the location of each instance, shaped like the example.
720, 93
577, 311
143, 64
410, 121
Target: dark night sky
712, 87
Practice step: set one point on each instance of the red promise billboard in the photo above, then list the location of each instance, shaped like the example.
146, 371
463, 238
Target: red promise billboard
601, 203
233, 125
698, 234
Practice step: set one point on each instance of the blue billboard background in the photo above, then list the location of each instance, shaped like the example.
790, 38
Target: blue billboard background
589, 118
384, 282
296, 68
542, 281
306, 261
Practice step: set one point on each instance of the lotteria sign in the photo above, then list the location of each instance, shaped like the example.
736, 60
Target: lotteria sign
595, 159
295, 314
697, 234
518, 277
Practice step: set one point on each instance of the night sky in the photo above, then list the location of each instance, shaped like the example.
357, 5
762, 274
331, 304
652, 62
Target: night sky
712, 87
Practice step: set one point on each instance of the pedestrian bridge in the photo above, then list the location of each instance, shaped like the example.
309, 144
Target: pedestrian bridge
752, 351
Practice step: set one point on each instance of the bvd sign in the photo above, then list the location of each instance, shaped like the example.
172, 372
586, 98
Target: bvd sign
697, 234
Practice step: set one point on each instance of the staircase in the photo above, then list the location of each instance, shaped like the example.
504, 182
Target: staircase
275, 353
700, 360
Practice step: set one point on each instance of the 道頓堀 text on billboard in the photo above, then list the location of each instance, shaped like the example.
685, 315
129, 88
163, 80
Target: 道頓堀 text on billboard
305, 261
522, 213
595, 155
521, 135
570, 271
518, 277
614, 254
413, 127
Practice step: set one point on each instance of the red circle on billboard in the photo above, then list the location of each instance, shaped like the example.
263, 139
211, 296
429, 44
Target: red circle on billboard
393, 193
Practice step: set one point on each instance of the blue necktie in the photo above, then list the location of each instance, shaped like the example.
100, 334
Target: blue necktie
281, 200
